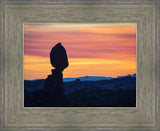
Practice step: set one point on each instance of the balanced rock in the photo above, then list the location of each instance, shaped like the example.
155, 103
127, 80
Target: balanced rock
53, 89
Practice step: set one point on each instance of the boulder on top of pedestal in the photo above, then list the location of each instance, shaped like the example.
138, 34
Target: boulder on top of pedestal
58, 57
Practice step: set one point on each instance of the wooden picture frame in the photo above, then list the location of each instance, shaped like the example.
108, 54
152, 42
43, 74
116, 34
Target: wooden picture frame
143, 116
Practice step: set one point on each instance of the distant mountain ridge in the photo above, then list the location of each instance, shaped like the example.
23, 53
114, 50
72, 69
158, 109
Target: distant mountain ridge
87, 78
134, 75
90, 78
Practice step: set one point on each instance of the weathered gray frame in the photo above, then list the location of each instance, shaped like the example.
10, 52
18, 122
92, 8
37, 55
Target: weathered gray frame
16, 116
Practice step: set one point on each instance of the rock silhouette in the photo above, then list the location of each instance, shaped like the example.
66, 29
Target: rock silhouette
58, 57
52, 93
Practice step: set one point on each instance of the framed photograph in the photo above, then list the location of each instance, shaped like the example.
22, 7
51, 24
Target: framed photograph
80, 65
94, 66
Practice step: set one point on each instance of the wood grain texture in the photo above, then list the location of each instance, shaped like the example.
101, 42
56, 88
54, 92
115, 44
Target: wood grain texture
15, 116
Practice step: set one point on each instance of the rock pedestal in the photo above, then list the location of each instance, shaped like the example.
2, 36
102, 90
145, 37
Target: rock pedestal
53, 88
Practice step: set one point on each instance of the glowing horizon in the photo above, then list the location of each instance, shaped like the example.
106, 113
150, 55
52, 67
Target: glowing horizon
93, 49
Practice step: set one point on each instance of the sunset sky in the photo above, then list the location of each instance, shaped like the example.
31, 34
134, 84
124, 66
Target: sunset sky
93, 49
